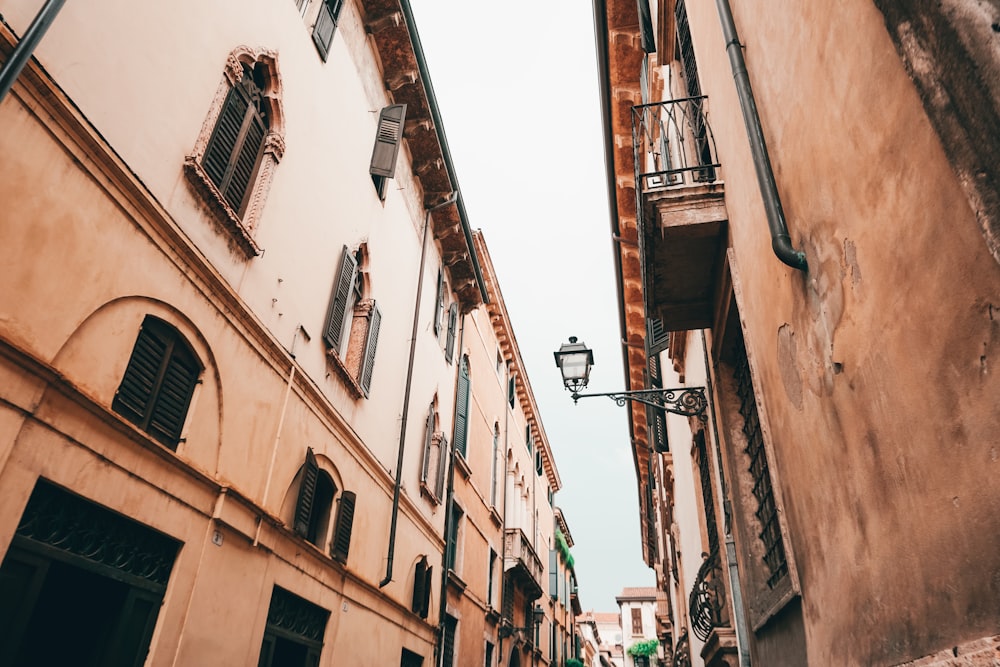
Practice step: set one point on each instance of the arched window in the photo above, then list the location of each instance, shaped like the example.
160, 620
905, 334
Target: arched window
240, 143
352, 323
237, 144
159, 381
314, 510
435, 461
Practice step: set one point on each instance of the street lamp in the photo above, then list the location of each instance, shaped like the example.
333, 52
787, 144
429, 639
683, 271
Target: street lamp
537, 614
575, 360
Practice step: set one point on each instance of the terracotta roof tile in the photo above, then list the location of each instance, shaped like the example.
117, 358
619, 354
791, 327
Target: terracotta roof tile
638, 592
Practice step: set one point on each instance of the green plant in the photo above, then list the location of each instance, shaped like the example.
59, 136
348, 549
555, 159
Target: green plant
647, 648
573, 662
564, 549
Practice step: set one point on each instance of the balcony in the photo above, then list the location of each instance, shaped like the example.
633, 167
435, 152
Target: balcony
681, 209
522, 564
709, 618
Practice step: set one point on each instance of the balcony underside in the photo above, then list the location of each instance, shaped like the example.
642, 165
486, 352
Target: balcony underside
685, 239
521, 576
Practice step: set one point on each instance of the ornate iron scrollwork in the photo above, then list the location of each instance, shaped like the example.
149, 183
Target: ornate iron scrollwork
684, 401
706, 599
682, 652
67, 522
295, 615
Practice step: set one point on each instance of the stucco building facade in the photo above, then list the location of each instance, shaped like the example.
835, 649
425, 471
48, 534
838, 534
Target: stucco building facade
803, 213
252, 371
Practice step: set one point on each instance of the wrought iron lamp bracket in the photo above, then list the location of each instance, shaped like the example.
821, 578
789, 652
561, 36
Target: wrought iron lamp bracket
684, 401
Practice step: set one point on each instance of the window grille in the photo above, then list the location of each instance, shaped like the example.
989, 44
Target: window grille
707, 496
767, 512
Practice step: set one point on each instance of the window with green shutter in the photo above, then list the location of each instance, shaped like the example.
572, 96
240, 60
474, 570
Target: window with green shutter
326, 26
462, 407
159, 381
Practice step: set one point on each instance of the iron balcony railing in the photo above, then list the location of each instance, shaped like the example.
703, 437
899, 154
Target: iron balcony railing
673, 144
707, 600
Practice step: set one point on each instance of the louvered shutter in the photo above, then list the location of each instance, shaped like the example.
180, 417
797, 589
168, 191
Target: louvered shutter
225, 135
462, 409
442, 468
142, 373
326, 25
425, 607
371, 343
428, 444
341, 544
655, 417
657, 337
307, 494
439, 304
387, 140
553, 574
334, 330
528, 441
244, 164
449, 348
511, 389
419, 586
539, 467
448, 643
174, 397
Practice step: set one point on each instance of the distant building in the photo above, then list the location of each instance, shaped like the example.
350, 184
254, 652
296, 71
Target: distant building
805, 214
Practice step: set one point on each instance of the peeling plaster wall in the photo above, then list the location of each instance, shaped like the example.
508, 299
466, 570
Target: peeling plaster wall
877, 367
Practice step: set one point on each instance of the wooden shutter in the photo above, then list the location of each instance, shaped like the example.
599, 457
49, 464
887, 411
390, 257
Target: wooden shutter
442, 468
326, 25
342, 530
244, 163
342, 287
156, 389
462, 409
528, 441
553, 574
439, 305
448, 642
226, 134
142, 373
418, 585
449, 347
422, 588
387, 140
237, 142
511, 389
371, 343
655, 417
307, 494
657, 338
428, 444
539, 466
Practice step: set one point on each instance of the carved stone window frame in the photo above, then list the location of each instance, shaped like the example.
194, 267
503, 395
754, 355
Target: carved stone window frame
241, 229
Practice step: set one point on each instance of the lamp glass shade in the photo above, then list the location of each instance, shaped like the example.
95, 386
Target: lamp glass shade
574, 361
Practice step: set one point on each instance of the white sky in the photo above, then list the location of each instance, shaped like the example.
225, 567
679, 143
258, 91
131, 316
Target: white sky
518, 92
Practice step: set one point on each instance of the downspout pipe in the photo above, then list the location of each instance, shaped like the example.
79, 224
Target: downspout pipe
780, 241
406, 392
12, 67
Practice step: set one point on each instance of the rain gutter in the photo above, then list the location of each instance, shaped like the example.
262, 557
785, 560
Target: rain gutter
780, 241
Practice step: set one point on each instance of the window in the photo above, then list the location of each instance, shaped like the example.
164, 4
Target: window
410, 659
452, 546
326, 25
422, 575
499, 363
539, 464
352, 340
528, 439
493, 468
511, 389
314, 507
655, 416
449, 346
462, 408
636, 621
448, 641
439, 304
767, 511
386, 150
81, 584
293, 636
707, 496
240, 144
435, 464
689, 69
491, 578
553, 574
488, 662
156, 389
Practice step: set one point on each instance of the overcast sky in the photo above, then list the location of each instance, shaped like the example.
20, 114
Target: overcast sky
518, 92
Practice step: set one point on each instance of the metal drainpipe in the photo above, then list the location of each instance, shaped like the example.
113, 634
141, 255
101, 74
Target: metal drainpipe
18, 58
780, 241
503, 543
739, 620
449, 494
406, 394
